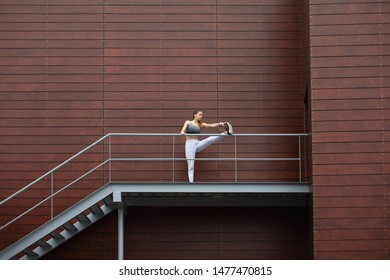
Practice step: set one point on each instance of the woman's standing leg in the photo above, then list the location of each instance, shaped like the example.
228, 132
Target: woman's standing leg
194, 146
190, 154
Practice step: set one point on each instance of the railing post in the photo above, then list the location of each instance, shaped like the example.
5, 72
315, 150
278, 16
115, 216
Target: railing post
121, 213
109, 159
51, 195
235, 159
173, 158
300, 160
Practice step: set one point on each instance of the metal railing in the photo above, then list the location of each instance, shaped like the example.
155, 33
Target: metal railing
108, 158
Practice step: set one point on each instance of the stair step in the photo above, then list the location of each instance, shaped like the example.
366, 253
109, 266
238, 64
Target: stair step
83, 218
108, 200
96, 209
30, 253
43, 243
56, 235
69, 226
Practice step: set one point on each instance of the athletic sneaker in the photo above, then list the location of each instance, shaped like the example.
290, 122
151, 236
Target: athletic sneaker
229, 128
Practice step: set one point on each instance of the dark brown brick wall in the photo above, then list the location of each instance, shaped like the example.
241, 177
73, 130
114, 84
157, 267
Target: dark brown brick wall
350, 123
72, 71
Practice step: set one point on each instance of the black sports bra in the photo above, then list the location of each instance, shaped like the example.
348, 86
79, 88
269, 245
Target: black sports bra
193, 129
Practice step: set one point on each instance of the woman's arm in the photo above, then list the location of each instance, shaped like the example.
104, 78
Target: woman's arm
206, 125
184, 129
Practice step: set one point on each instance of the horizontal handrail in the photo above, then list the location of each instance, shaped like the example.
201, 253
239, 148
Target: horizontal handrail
213, 134
203, 159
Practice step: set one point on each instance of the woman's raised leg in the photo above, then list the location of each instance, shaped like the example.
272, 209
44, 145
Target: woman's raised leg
203, 144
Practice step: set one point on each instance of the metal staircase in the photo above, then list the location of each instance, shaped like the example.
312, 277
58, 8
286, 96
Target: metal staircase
111, 194
63, 227
120, 195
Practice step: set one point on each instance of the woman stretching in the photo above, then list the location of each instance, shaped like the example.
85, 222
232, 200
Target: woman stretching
193, 145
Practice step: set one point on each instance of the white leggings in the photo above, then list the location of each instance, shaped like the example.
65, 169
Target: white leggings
194, 146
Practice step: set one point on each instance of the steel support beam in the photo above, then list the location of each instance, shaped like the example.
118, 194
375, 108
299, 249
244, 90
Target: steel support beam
121, 214
212, 194
211, 188
118, 202
287, 201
